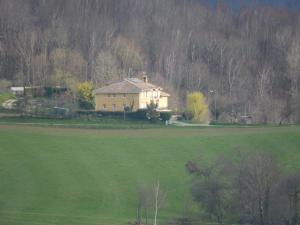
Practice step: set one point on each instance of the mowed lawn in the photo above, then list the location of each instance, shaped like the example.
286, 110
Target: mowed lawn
86, 177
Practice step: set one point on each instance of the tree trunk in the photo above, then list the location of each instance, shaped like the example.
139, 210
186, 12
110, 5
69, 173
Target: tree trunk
156, 203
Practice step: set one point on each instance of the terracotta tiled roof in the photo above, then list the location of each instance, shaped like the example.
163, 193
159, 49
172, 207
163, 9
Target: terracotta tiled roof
119, 87
129, 85
141, 84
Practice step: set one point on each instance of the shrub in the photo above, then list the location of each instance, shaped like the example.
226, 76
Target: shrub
60, 112
187, 116
197, 107
151, 112
141, 114
165, 116
83, 104
85, 95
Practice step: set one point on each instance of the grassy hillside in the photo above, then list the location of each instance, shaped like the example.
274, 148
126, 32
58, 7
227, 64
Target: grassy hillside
81, 177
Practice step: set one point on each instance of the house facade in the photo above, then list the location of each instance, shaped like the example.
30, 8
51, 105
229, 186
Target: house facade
131, 92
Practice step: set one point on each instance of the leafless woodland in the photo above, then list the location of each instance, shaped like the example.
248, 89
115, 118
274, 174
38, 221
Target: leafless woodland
249, 57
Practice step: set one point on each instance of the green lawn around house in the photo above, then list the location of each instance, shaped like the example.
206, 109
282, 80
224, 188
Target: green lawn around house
64, 176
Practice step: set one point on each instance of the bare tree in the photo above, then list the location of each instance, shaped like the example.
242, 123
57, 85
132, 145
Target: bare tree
156, 191
159, 199
149, 197
210, 189
255, 181
144, 203
106, 69
286, 210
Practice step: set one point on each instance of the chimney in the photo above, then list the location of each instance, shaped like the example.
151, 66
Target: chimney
145, 78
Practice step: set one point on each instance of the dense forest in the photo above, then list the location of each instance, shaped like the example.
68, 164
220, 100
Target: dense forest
247, 59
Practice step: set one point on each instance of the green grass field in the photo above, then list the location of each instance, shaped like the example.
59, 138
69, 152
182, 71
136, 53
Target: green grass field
62, 176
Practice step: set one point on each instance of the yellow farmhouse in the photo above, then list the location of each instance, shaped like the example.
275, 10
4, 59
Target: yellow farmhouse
131, 92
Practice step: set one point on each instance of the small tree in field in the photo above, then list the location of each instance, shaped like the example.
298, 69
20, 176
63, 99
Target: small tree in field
150, 200
197, 107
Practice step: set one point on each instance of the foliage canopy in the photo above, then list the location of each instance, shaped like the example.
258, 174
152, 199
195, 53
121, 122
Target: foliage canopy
85, 95
197, 107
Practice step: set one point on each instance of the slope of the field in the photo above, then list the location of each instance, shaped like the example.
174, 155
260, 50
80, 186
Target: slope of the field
86, 177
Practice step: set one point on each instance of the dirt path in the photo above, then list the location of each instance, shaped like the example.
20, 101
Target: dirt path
174, 121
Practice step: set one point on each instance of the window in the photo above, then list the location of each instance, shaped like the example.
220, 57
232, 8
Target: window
104, 106
114, 107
